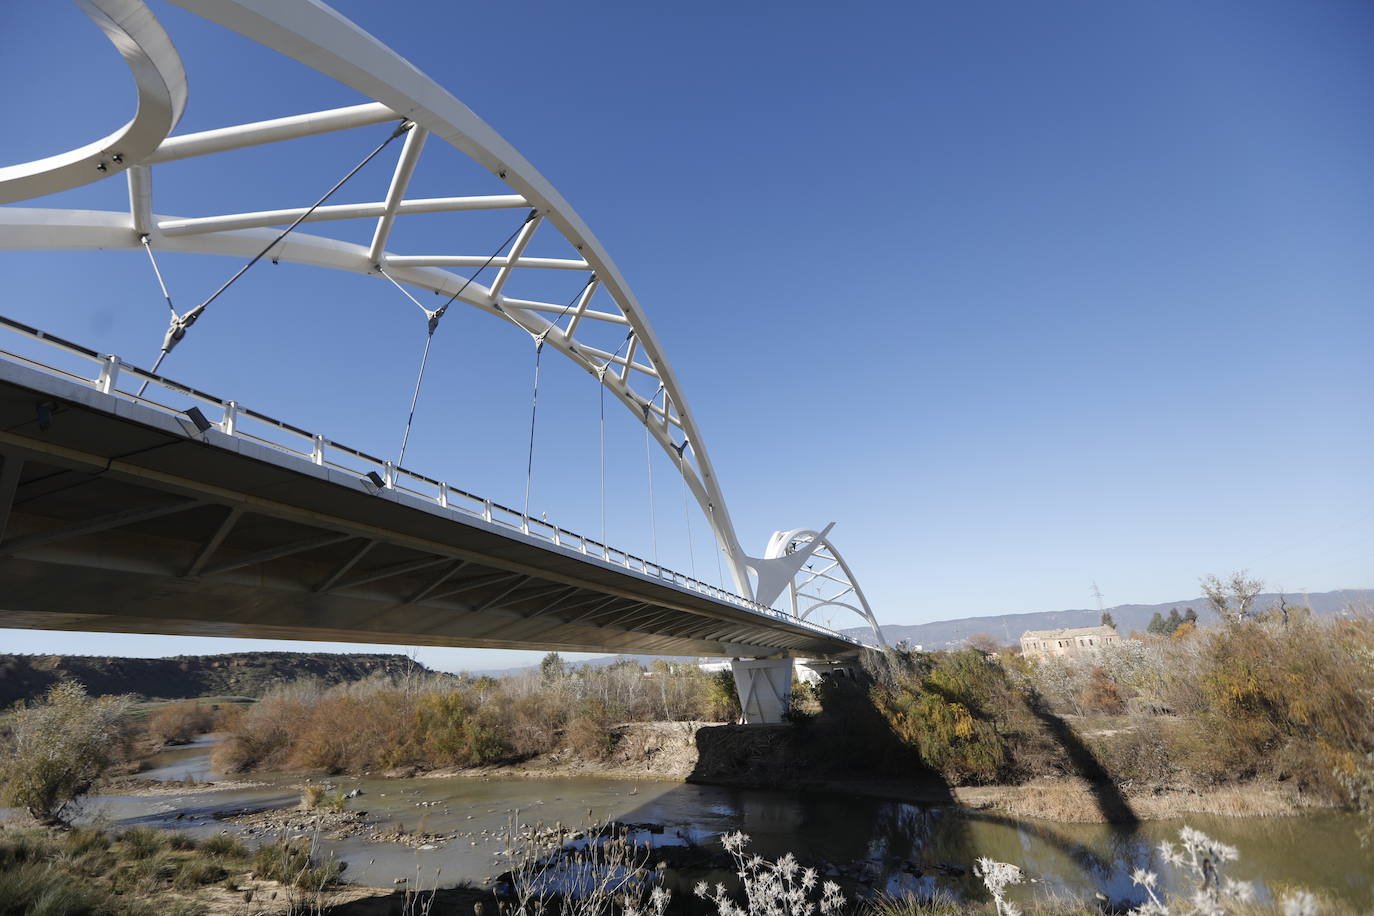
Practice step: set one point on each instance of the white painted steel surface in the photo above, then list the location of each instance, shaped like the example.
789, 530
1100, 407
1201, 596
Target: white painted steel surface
311, 33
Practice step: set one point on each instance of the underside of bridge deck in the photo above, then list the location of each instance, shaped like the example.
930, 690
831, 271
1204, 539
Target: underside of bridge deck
118, 517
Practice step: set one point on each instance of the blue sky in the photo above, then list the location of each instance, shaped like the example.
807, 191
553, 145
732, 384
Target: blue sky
1021, 296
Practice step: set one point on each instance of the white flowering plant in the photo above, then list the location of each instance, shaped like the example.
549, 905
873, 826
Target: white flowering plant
781, 888
997, 877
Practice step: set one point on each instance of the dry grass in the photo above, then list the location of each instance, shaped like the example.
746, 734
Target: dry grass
1070, 800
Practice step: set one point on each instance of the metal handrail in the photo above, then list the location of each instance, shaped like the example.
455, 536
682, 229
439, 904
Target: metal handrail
112, 369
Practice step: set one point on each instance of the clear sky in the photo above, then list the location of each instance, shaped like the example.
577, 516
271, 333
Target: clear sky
1022, 296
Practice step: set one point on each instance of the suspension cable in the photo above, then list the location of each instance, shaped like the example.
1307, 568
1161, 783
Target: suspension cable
405, 292
415, 396
601, 387
433, 325
147, 246
181, 323
534, 403
531, 215
686, 504
649, 463
534, 409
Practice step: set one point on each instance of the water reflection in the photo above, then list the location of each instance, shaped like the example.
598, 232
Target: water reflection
870, 844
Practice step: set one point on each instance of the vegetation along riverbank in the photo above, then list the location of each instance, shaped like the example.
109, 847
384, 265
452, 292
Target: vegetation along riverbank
1260, 715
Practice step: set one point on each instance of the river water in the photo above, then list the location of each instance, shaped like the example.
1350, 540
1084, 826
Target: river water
886, 845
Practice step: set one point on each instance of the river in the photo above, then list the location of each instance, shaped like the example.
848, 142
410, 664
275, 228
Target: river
887, 845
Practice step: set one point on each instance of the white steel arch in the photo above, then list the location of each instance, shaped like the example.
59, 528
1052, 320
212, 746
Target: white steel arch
311, 33
819, 576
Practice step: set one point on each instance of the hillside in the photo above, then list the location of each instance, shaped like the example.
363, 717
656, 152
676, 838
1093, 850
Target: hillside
942, 634
247, 674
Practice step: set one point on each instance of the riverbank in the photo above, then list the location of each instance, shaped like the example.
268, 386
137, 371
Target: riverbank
756, 757
874, 837
140, 872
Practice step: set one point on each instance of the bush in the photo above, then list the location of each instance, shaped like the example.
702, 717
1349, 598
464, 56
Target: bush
591, 733
31, 889
198, 872
83, 840
722, 698
380, 724
293, 864
142, 842
1101, 695
961, 712
1140, 755
58, 748
224, 846
1289, 701
179, 723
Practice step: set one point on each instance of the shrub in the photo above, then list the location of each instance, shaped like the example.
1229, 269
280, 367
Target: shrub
379, 724
82, 840
180, 841
293, 864
1137, 756
591, 732
961, 712
143, 842
30, 889
225, 846
58, 748
781, 887
722, 698
179, 723
198, 872
1101, 695
1289, 701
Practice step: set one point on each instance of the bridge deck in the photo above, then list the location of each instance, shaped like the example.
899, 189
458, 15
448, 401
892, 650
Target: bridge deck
117, 514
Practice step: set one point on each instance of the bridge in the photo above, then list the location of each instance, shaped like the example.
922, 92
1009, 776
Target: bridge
132, 502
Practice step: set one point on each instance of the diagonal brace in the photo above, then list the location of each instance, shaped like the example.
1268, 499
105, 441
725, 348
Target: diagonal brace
101, 523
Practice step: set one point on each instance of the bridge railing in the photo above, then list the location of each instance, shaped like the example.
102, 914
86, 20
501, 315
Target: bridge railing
73, 362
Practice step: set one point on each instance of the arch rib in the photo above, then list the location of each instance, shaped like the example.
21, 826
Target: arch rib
316, 36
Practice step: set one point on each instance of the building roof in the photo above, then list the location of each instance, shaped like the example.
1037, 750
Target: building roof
1069, 632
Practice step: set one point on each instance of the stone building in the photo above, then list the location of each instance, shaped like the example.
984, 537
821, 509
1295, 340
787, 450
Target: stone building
1068, 641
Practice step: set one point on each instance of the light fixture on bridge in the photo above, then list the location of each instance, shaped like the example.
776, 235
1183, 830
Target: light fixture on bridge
43, 414
195, 416
374, 482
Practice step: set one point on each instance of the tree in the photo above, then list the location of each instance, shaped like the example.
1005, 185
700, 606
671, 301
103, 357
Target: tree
983, 642
1107, 620
1234, 599
57, 749
1190, 616
1157, 625
1174, 620
552, 668
1286, 613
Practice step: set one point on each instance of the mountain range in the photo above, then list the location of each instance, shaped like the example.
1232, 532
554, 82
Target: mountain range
1129, 618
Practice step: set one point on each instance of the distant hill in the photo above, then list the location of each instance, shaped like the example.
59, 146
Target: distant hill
247, 674
944, 634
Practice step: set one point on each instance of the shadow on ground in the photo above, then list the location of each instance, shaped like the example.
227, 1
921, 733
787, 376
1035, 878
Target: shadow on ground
1110, 802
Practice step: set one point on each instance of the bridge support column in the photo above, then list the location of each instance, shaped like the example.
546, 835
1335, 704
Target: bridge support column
765, 687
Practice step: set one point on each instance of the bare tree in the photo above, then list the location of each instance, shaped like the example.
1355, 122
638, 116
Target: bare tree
1233, 599
983, 642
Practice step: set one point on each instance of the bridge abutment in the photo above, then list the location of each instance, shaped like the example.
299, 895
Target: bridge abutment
765, 688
